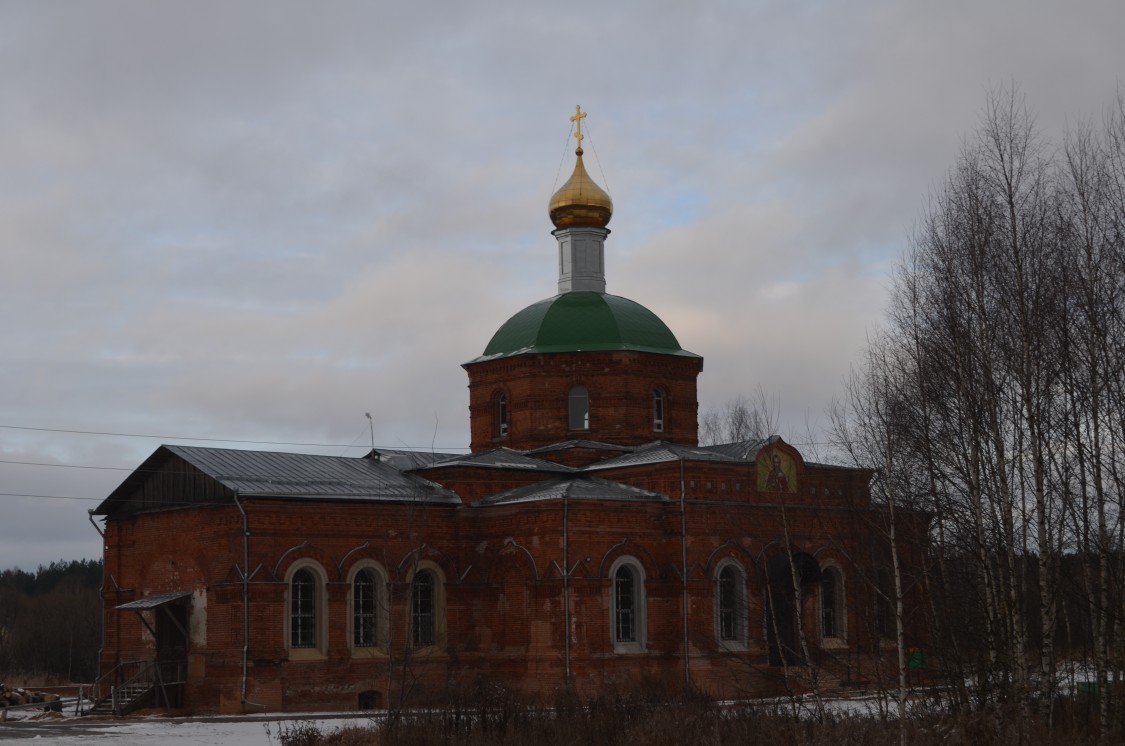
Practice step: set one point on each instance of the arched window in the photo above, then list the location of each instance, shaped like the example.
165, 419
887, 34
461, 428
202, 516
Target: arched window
367, 602
658, 411
427, 606
628, 606
579, 408
365, 609
422, 609
833, 620
306, 635
730, 605
625, 605
302, 609
501, 404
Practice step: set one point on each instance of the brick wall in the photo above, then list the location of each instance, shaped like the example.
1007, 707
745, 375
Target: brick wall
620, 384
504, 591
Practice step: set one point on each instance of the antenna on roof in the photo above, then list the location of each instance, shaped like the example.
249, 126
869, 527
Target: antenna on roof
371, 425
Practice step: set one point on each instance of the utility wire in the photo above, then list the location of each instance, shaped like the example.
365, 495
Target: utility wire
211, 440
50, 497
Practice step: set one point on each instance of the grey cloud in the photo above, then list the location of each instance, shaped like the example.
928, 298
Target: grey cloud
260, 220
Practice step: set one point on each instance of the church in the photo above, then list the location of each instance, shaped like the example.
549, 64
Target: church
586, 542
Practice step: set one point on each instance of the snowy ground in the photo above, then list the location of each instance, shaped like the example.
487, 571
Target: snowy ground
262, 730
227, 731
255, 730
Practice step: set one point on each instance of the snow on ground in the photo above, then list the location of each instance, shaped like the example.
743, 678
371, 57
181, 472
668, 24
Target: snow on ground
224, 731
258, 730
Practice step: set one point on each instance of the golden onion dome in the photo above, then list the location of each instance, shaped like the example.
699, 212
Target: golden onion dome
580, 202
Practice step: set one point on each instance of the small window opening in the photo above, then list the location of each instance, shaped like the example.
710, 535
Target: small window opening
579, 408
658, 411
502, 414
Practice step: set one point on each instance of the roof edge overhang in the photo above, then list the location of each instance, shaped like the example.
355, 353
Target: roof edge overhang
153, 601
567, 349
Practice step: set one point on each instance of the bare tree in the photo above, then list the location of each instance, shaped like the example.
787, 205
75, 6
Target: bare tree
740, 419
994, 400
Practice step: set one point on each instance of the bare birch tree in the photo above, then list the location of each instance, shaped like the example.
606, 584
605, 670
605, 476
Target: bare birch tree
994, 399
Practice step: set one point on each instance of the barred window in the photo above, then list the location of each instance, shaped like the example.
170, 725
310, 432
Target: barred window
625, 613
365, 609
628, 623
302, 609
422, 609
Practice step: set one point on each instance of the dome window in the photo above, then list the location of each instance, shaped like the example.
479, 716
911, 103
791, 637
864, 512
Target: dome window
501, 413
579, 408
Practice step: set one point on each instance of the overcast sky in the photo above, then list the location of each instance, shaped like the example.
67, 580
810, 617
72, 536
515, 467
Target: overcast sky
256, 221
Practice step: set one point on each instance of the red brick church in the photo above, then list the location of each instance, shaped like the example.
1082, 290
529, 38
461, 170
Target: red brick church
586, 542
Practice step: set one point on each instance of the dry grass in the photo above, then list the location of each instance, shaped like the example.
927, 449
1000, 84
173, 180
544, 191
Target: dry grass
488, 716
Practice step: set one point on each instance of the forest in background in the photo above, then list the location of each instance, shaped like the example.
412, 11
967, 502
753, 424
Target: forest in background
51, 622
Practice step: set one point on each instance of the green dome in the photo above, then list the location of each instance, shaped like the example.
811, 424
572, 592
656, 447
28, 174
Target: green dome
583, 321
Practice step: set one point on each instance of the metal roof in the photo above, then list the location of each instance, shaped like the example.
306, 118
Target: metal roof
502, 458
582, 321
577, 488
154, 600
287, 475
743, 450
594, 445
407, 460
660, 452
273, 474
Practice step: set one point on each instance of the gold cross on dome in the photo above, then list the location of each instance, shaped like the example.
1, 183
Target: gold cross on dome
579, 115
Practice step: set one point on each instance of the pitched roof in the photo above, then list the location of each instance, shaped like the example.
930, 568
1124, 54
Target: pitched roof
282, 475
660, 452
501, 458
743, 450
576, 488
593, 445
406, 460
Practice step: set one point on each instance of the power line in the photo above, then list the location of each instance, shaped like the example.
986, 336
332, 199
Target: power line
49, 497
67, 431
65, 466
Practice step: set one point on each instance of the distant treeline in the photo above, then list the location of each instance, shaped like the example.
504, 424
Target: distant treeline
50, 621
